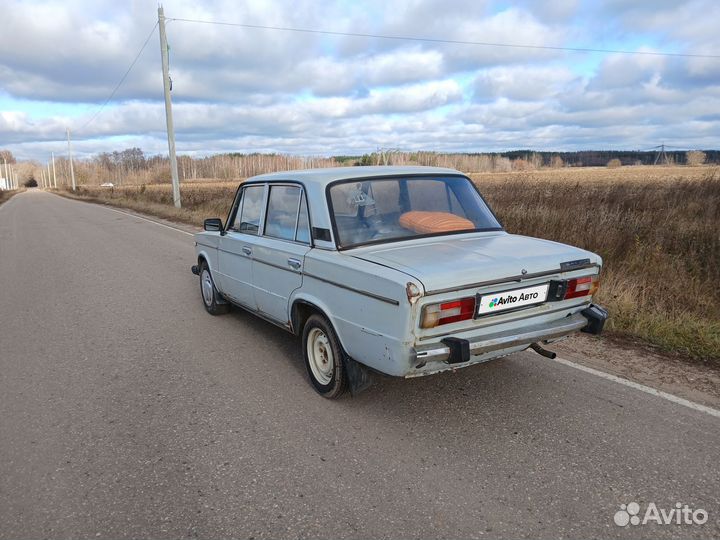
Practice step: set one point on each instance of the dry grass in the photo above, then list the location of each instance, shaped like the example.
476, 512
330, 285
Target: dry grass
199, 200
6, 195
657, 229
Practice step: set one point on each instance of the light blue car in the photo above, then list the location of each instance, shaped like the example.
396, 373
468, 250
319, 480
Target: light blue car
400, 270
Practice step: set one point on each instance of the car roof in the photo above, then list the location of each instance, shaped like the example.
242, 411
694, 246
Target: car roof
331, 174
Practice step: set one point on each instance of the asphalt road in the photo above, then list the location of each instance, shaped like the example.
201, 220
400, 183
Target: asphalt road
127, 411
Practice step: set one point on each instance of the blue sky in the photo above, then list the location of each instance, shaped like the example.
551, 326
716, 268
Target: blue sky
246, 90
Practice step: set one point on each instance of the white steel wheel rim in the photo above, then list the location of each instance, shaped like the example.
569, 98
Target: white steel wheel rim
320, 356
206, 285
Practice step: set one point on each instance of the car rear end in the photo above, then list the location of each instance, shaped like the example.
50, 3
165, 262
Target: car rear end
462, 326
479, 292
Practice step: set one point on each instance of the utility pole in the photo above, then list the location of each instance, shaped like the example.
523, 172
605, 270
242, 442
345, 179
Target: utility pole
72, 171
52, 154
48, 176
168, 108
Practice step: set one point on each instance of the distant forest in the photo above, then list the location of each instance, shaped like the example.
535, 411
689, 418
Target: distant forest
582, 158
599, 158
133, 166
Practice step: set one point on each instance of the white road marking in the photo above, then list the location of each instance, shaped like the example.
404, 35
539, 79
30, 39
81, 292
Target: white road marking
641, 387
149, 220
602, 374
133, 215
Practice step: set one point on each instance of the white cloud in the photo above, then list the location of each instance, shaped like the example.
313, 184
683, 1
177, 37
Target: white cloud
245, 89
522, 83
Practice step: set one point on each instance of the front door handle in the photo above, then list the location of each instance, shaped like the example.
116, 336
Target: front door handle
246, 250
294, 263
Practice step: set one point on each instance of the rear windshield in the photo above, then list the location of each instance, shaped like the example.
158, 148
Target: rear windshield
382, 209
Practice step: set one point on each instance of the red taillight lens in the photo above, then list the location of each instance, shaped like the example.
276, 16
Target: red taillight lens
584, 286
448, 312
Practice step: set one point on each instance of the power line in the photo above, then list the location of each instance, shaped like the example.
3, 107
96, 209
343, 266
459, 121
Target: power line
122, 80
447, 41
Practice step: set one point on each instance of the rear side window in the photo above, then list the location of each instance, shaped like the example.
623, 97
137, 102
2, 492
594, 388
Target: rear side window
287, 217
303, 227
247, 219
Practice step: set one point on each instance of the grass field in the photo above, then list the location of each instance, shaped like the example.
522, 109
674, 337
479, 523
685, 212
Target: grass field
657, 229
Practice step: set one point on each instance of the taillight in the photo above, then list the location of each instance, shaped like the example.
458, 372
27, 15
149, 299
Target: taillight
448, 312
584, 286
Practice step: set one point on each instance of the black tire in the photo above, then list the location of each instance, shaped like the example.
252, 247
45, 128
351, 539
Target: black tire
319, 341
214, 305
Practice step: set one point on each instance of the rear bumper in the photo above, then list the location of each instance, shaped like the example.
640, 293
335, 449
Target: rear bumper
457, 351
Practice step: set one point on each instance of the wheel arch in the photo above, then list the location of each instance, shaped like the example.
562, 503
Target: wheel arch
300, 312
203, 257
301, 309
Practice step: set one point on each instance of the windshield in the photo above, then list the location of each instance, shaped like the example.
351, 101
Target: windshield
382, 209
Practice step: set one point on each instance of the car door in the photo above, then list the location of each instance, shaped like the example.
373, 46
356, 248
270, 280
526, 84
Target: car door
279, 254
236, 247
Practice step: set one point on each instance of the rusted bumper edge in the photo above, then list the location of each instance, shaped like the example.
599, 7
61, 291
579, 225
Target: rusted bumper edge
195, 268
451, 353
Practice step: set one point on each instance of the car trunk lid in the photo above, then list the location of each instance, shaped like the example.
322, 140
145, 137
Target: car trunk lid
458, 262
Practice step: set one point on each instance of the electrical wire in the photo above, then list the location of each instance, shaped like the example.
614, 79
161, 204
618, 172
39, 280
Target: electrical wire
447, 41
122, 80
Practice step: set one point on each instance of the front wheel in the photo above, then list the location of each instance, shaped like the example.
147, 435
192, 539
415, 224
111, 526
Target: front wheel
210, 295
323, 357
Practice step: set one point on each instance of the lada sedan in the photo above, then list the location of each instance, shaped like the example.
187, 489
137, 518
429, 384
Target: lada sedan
399, 270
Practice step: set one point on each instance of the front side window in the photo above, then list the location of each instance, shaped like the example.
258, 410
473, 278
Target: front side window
376, 210
247, 218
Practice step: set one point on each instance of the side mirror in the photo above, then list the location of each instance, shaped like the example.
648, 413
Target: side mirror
213, 224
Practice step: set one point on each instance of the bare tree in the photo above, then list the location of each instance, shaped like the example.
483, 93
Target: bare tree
7, 155
695, 158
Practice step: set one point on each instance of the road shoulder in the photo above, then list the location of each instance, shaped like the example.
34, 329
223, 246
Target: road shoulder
6, 195
683, 377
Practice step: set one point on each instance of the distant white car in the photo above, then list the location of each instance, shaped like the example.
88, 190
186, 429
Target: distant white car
107, 184
403, 270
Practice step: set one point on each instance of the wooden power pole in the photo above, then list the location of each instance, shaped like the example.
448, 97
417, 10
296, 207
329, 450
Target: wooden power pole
72, 171
168, 109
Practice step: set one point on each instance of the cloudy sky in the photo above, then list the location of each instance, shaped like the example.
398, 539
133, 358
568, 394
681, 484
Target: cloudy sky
244, 89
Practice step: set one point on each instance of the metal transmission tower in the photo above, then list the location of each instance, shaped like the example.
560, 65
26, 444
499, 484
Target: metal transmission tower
167, 85
661, 155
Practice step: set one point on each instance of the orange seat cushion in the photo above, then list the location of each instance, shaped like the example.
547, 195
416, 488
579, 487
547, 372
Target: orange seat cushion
434, 222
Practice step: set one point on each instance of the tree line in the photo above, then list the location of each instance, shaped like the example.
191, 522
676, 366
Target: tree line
134, 166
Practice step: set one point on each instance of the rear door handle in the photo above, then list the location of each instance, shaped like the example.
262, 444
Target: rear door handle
246, 250
294, 263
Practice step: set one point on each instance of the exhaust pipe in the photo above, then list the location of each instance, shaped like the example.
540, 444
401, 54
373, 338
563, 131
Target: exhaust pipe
543, 352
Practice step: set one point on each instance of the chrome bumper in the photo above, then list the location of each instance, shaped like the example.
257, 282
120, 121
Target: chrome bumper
453, 350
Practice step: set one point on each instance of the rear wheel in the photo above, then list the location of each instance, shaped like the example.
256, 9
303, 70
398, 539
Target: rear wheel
210, 295
324, 357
